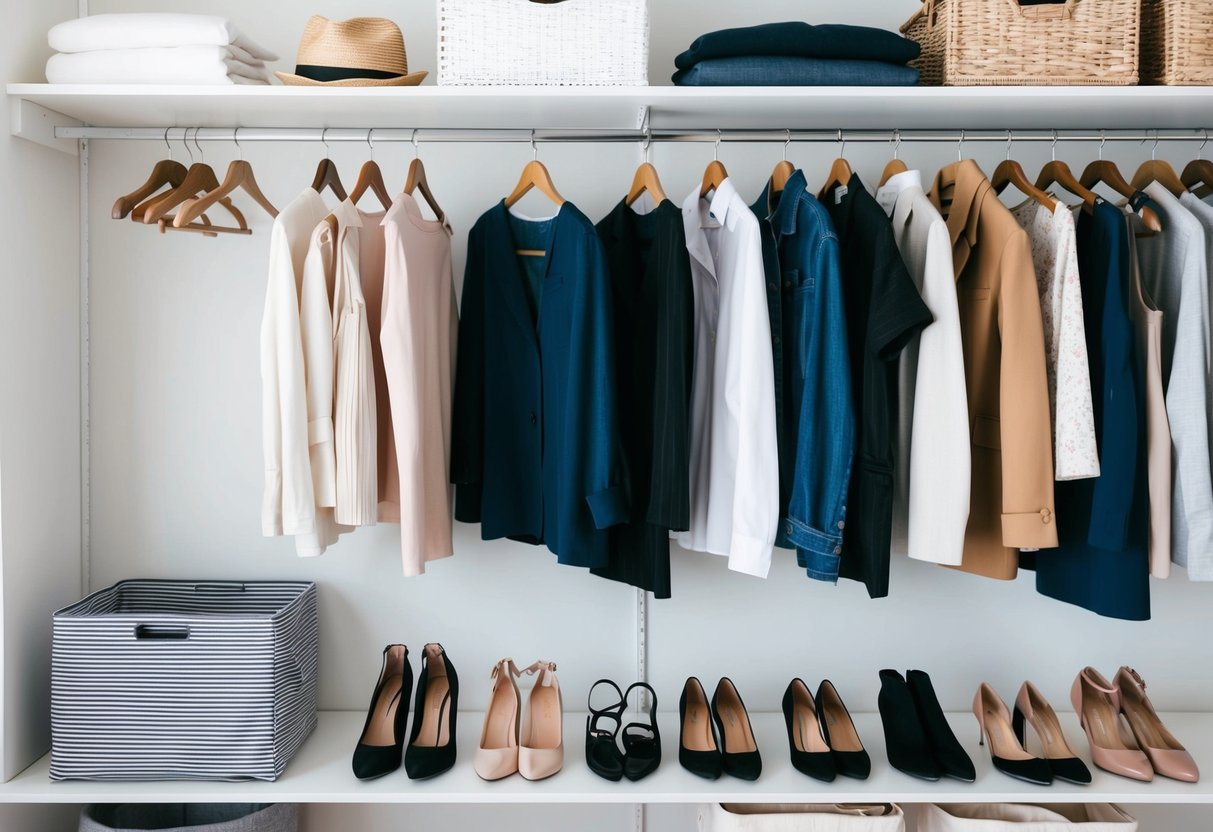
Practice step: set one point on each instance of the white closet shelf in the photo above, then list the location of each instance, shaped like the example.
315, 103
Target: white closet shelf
320, 773
621, 108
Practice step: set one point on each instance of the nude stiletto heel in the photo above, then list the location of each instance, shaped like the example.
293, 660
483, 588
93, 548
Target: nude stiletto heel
1097, 703
1167, 755
497, 755
541, 749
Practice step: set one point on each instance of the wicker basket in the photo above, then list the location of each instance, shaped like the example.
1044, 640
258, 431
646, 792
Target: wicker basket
988, 42
1176, 42
543, 42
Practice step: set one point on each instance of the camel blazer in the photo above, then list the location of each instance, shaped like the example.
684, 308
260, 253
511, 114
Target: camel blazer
1011, 503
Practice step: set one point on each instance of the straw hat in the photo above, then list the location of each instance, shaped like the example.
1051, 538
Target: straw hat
359, 52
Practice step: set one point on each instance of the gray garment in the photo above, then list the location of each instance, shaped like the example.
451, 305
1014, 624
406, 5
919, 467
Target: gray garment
1174, 271
190, 817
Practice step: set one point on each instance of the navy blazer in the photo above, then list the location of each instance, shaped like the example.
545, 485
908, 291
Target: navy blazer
1103, 562
535, 433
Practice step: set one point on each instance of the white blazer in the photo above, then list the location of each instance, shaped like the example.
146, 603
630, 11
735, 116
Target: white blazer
734, 480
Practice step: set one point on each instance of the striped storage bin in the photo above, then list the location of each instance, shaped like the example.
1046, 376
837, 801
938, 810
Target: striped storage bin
183, 680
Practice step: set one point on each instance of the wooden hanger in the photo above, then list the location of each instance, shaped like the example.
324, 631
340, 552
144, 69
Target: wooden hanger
239, 175
783, 169
715, 173
534, 175
416, 181
200, 179
1106, 172
1010, 172
370, 177
1059, 173
840, 171
1198, 174
165, 172
645, 179
1157, 170
895, 165
326, 174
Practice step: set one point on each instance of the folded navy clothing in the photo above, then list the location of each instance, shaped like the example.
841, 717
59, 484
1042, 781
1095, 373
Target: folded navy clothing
780, 71
798, 39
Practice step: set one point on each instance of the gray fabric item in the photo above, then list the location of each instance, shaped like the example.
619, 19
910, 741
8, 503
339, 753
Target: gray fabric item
190, 817
1174, 272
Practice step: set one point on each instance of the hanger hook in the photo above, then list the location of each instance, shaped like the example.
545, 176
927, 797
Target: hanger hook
1053, 147
236, 139
416, 145
960, 145
201, 152
1010, 139
370, 143
185, 131
647, 143
170, 147
1154, 148
323, 132
1103, 139
896, 142
787, 141
1200, 151
716, 152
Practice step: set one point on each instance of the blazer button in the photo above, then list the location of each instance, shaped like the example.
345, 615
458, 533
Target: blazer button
1046, 516
772, 287
838, 550
534, 418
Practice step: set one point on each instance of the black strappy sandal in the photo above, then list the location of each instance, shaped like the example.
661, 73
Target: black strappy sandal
641, 743
601, 753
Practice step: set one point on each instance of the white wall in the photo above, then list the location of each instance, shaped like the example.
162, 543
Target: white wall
176, 458
39, 396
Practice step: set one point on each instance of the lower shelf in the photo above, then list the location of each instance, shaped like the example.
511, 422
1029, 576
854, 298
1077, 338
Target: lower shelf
321, 774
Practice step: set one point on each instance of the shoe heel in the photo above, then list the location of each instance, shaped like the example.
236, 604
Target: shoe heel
1017, 726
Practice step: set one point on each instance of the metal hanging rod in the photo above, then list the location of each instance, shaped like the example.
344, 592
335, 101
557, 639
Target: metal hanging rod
780, 135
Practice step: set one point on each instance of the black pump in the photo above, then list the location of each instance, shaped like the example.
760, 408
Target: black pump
381, 744
806, 743
738, 749
431, 749
697, 749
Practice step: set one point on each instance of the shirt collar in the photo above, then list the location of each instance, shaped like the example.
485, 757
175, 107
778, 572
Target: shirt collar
720, 210
347, 215
889, 194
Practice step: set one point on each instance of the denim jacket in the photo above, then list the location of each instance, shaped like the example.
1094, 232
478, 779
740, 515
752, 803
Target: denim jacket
816, 413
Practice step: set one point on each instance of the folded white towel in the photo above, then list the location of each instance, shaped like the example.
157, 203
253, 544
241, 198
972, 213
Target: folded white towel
144, 30
176, 65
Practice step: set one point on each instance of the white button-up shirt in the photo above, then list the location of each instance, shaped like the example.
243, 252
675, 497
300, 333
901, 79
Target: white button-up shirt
289, 505
734, 455
931, 500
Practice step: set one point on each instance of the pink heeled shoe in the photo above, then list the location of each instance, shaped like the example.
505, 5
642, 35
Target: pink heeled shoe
1097, 703
1166, 754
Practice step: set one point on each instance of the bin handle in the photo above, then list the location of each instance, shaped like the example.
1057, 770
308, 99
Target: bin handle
161, 632
1045, 11
220, 586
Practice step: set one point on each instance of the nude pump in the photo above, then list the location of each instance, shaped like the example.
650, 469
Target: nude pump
497, 754
1166, 754
1097, 703
541, 745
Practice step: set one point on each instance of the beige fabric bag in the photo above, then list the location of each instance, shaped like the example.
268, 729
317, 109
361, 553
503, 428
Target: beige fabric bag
801, 817
1015, 817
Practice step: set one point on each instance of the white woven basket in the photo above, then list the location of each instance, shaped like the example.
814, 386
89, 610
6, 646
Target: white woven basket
543, 42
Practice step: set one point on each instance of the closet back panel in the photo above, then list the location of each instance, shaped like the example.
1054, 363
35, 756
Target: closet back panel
176, 462
39, 396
